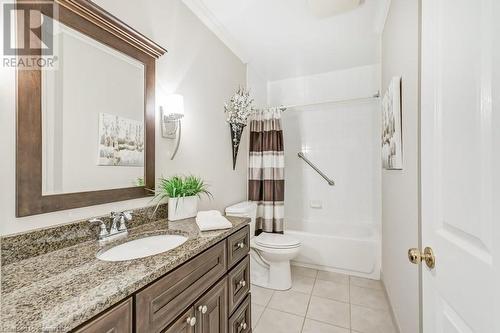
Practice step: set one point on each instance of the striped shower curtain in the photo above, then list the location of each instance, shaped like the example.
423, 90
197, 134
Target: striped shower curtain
266, 183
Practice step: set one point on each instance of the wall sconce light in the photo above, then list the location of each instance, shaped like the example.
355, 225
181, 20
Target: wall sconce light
172, 111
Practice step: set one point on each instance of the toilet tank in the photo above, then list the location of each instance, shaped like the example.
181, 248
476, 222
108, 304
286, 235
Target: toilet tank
244, 209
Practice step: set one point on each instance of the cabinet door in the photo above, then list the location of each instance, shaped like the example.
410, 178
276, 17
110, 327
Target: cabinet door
118, 319
241, 320
158, 305
211, 310
184, 324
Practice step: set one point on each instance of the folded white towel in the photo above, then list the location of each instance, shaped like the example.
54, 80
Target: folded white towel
208, 213
212, 220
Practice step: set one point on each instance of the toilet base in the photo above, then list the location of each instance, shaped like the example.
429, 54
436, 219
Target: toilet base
275, 276
280, 277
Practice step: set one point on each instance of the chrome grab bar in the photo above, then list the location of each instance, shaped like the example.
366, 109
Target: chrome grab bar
311, 164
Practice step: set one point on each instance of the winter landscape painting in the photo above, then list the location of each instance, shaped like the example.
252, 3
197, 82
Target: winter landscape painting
392, 145
121, 141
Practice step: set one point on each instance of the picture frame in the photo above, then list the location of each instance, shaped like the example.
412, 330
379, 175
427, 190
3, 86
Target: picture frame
392, 133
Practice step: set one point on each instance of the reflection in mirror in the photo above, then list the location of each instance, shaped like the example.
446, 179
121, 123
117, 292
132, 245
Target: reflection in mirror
92, 117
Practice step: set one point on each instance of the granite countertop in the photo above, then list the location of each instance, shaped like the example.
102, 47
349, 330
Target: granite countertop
59, 290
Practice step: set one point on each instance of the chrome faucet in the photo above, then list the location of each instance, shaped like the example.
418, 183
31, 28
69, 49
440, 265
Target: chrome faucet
118, 227
120, 218
103, 233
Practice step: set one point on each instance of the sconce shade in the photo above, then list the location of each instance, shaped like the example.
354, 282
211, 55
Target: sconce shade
172, 111
173, 107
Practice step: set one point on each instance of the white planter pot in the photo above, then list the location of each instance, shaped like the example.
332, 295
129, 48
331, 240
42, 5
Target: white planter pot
182, 208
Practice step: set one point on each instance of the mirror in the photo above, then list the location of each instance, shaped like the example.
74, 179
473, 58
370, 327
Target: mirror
92, 116
85, 126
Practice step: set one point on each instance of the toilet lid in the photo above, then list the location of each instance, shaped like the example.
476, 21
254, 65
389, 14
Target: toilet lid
242, 208
278, 241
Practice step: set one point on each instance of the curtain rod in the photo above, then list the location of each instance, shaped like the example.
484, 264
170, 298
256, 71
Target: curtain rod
377, 95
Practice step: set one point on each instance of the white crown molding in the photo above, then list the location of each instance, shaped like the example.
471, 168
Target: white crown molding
206, 16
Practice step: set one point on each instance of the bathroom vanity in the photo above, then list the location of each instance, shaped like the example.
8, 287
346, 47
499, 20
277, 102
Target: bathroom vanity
197, 293
202, 285
209, 294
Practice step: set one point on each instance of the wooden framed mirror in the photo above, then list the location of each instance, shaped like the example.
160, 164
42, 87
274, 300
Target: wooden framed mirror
85, 128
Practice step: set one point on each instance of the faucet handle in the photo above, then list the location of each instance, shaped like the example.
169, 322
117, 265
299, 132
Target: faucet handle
103, 232
124, 217
127, 215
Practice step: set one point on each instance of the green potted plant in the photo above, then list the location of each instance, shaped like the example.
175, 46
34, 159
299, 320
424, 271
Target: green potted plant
183, 194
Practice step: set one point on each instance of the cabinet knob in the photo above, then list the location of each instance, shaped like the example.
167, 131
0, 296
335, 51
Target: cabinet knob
243, 326
242, 283
241, 245
191, 321
203, 309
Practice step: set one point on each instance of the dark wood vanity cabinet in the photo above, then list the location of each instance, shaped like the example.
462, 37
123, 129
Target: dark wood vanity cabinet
238, 246
118, 319
162, 302
211, 310
186, 323
210, 293
238, 283
218, 302
208, 315
241, 320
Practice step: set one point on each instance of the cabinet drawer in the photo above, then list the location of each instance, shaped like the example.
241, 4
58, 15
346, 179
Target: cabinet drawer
118, 319
241, 320
238, 245
159, 304
184, 324
239, 283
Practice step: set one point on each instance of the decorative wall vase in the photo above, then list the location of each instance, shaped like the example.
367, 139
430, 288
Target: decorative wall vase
236, 132
238, 109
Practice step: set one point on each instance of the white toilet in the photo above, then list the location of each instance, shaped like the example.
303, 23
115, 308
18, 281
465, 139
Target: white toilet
270, 254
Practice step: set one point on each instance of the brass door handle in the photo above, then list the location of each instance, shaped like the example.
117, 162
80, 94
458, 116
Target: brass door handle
416, 257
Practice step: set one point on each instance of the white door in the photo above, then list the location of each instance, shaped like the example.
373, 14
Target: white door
460, 148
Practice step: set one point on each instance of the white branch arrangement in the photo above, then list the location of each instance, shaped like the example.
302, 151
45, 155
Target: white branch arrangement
239, 107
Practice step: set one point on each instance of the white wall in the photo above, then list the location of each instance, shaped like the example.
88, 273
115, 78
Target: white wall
258, 86
344, 84
200, 67
400, 212
341, 139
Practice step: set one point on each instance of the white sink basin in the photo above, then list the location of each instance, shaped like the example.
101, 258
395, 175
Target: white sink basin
142, 247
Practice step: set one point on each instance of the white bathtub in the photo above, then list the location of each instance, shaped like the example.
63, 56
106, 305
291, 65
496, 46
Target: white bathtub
344, 248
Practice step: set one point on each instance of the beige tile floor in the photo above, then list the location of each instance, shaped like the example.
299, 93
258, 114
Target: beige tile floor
322, 302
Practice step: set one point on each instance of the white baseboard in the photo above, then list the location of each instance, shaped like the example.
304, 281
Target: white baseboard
391, 308
374, 276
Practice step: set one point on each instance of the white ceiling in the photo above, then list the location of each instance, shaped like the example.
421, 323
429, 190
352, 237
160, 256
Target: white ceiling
283, 38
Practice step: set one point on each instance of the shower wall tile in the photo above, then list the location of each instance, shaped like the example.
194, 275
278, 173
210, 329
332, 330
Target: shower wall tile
343, 141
